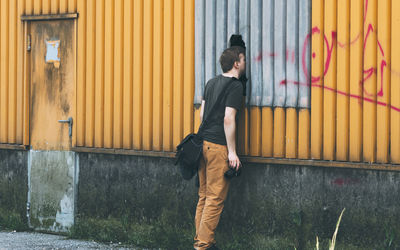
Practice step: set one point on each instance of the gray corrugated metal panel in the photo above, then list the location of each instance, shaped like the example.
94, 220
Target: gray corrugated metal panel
220, 33
267, 56
292, 53
209, 60
274, 35
244, 30
232, 18
280, 53
255, 45
199, 51
304, 54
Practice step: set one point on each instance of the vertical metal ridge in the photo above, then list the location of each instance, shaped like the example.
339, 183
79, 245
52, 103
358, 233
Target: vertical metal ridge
256, 49
304, 57
209, 45
267, 54
220, 32
280, 52
292, 53
199, 58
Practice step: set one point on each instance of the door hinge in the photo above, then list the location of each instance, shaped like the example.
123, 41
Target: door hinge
28, 43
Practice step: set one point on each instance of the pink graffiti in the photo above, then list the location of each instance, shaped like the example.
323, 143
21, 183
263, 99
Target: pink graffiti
329, 45
344, 181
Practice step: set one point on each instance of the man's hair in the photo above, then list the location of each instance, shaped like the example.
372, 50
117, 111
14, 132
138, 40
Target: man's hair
230, 56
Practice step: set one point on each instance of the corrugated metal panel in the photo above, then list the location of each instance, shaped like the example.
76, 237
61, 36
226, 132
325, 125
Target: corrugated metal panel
135, 71
264, 24
14, 107
278, 68
280, 53
138, 59
354, 81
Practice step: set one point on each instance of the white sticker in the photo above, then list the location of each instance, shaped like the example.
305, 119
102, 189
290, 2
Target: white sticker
52, 53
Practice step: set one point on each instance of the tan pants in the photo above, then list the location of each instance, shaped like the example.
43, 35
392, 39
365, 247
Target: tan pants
212, 193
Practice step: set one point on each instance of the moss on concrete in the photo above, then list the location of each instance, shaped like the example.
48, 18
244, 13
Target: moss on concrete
13, 189
268, 207
11, 220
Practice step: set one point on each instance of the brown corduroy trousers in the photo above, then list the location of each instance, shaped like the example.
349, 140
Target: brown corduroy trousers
213, 190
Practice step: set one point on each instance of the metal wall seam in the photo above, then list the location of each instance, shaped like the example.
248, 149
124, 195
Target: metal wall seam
157, 75
232, 18
255, 50
292, 53
118, 69
20, 74
329, 103
99, 76
383, 80
199, 58
138, 74
128, 76
108, 74
188, 67
90, 72
81, 75
395, 85
12, 98
280, 52
220, 32
178, 73
304, 58
4, 54
343, 83
244, 30
317, 69
369, 83
148, 74
267, 53
168, 74
356, 75
209, 46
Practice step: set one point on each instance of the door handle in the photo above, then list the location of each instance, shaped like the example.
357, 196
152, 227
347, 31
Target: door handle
70, 122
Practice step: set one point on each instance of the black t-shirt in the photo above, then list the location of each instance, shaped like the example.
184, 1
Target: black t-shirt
214, 132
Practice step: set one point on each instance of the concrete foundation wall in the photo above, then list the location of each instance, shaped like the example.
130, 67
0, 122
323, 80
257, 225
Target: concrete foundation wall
13, 188
52, 185
297, 201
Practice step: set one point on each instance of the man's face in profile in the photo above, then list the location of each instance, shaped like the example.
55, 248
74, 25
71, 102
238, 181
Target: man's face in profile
242, 64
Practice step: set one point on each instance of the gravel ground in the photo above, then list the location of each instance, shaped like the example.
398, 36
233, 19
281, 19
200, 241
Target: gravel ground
32, 240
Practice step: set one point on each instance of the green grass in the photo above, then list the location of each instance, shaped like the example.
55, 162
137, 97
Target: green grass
10, 220
165, 233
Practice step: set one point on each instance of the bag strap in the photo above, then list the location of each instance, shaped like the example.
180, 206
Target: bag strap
214, 107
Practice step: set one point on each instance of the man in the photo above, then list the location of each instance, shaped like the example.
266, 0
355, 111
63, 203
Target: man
219, 147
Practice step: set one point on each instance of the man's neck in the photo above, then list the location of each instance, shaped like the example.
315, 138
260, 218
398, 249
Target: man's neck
232, 73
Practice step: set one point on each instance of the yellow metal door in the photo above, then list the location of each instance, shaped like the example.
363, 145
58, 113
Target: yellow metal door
52, 84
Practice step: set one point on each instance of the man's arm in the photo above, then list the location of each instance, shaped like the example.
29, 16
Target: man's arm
202, 110
230, 134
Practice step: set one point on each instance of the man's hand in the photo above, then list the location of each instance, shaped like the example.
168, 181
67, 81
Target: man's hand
234, 161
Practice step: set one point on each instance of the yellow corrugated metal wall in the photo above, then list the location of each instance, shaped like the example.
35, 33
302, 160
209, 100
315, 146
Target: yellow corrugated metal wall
135, 69
135, 80
355, 89
14, 96
135, 73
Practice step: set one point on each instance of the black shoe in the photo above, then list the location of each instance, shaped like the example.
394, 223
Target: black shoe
213, 247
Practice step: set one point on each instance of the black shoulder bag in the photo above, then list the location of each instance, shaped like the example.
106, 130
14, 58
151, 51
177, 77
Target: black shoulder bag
190, 149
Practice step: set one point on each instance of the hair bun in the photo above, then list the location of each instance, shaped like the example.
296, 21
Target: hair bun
237, 40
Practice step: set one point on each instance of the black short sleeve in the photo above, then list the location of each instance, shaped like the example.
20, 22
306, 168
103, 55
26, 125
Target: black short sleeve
205, 91
235, 96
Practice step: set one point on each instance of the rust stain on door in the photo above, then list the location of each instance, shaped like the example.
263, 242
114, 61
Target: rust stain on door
52, 84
